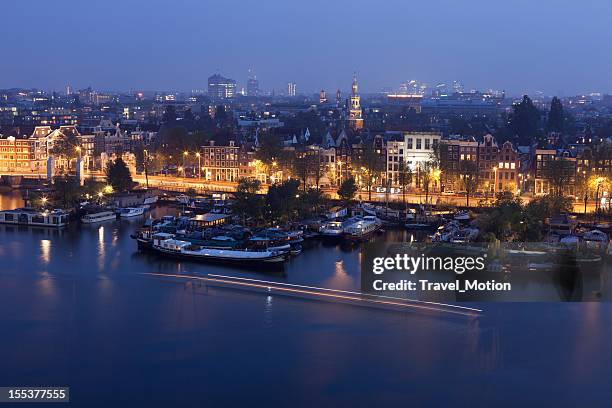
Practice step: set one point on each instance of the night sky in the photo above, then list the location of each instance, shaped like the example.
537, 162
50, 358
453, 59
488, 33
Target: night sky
559, 47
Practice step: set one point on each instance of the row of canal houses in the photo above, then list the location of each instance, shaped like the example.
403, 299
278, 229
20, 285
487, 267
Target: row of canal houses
500, 166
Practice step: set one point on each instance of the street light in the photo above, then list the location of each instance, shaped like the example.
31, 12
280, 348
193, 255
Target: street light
199, 165
185, 154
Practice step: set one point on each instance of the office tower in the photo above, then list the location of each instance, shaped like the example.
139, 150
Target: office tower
291, 89
220, 87
252, 87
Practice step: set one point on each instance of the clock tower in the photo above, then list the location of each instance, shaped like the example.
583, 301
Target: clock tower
355, 118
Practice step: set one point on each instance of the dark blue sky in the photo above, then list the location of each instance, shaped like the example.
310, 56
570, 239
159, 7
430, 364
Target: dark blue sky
557, 46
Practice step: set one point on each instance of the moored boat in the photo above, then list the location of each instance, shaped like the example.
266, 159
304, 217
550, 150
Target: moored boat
332, 229
363, 228
131, 212
98, 216
32, 217
166, 244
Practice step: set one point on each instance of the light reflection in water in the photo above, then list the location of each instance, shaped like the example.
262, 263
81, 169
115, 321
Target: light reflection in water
268, 312
341, 278
101, 248
45, 251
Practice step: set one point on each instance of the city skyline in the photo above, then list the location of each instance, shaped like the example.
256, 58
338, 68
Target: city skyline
519, 47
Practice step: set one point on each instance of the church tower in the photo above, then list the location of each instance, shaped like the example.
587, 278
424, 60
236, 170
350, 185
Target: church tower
355, 115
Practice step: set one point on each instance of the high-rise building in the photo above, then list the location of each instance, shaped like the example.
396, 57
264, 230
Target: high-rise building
220, 87
291, 89
252, 87
322, 97
338, 98
355, 114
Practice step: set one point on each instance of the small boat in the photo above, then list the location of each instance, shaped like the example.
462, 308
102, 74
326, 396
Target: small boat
362, 229
99, 216
462, 216
150, 200
183, 199
131, 212
332, 229
595, 235
464, 236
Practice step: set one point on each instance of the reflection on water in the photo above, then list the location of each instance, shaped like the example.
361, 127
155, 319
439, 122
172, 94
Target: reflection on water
11, 200
45, 251
67, 323
101, 248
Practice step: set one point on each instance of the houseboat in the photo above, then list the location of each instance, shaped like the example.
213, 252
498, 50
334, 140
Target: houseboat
33, 217
99, 216
167, 245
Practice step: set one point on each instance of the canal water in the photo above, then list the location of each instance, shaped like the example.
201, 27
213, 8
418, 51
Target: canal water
77, 310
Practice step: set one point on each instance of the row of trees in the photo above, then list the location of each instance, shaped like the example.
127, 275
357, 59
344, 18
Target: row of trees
282, 203
509, 219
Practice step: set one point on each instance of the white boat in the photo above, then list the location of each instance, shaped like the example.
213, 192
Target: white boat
98, 217
131, 212
464, 236
169, 246
32, 217
150, 200
332, 229
362, 228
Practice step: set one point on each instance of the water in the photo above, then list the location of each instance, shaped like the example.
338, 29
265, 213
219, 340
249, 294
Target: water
76, 311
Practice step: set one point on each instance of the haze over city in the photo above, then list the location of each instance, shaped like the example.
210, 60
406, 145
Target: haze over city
520, 46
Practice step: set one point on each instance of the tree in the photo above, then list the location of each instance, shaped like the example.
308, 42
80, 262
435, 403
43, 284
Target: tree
92, 187
525, 121
427, 174
301, 168
347, 190
404, 178
248, 203
468, 171
310, 202
66, 146
270, 148
66, 191
118, 175
282, 200
371, 164
318, 168
555, 116
559, 173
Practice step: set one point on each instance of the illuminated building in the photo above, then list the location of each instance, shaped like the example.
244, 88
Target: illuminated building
322, 97
221, 163
252, 87
220, 87
17, 155
413, 148
291, 89
355, 118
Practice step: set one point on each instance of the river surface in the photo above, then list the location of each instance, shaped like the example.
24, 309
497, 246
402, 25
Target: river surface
76, 310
